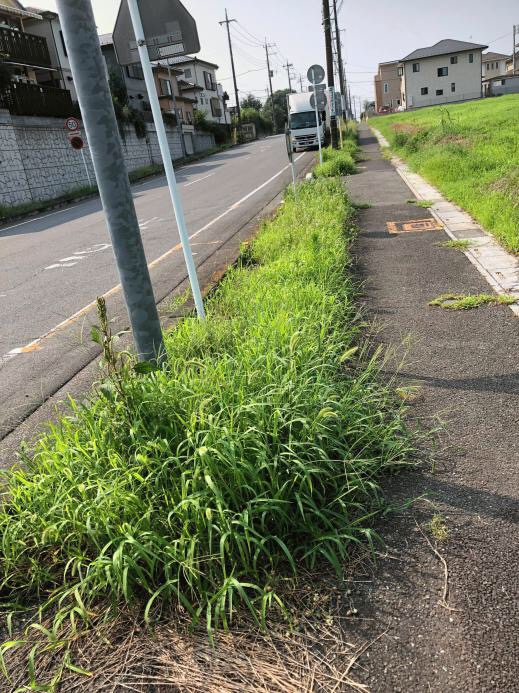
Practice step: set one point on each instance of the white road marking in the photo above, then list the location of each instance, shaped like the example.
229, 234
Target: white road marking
35, 344
198, 180
97, 248
73, 258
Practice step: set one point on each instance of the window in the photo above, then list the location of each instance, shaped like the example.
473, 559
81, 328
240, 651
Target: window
398, 102
454, 59
216, 108
386, 87
134, 71
189, 117
453, 86
400, 71
443, 71
63, 43
209, 81
416, 67
165, 87
503, 82
424, 91
187, 73
439, 92
471, 57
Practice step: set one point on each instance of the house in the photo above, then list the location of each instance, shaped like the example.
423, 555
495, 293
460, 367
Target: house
387, 87
510, 63
494, 65
170, 97
505, 84
33, 83
50, 30
446, 72
198, 82
131, 75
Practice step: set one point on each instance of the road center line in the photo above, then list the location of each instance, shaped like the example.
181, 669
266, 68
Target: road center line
35, 344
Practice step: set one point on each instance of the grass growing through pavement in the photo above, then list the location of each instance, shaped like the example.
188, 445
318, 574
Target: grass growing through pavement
468, 301
258, 448
340, 162
455, 243
470, 152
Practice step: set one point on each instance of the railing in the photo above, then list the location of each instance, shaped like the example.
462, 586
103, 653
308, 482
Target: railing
37, 100
19, 47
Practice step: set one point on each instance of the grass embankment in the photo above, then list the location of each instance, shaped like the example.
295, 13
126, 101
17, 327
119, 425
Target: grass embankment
340, 162
470, 152
257, 449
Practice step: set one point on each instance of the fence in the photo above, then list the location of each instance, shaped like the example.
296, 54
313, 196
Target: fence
38, 100
28, 49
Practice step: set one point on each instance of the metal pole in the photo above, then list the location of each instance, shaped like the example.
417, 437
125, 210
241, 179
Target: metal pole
174, 99
166, 154
293, 175
318, 124
86, 168
88, 68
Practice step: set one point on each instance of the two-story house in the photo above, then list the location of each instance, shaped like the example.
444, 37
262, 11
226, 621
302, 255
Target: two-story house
494, 64
446, 72
34, 79
132, 75
387, 87
198, 82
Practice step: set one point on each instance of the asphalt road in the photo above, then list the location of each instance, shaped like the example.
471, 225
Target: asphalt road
54, 266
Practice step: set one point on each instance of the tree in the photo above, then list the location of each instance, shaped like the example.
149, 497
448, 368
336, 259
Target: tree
280, 107
251, 101
254, 115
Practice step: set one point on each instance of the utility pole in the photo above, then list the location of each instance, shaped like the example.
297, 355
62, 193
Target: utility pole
301, 83
515, 47
274, 125
288, 66
90, 78
339, 55
227, 21
329, 68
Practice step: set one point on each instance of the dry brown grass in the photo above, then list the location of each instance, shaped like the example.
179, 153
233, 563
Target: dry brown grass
311, 651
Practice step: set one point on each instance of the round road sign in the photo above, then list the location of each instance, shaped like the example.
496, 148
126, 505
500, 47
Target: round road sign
72, 124
77, 142
315, 74
321, 100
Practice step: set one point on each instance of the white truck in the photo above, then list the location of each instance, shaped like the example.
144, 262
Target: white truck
302, 122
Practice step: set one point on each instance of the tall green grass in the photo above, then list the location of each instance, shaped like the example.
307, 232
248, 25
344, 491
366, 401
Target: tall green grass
340, 162
470, 152
258, 448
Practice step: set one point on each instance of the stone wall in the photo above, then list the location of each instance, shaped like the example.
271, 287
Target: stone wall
38, 163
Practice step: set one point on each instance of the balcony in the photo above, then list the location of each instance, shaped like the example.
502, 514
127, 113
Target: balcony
25, 49
37, 100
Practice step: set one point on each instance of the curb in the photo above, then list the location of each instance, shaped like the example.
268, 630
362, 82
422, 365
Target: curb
499, 267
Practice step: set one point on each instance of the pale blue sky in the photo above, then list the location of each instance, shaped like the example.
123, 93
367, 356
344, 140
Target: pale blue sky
376, 30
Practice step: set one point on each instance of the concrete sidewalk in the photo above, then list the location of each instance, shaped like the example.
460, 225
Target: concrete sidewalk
465, 365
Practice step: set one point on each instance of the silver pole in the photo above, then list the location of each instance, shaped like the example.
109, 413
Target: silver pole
166, 154
88, 69
86, 168
318, 125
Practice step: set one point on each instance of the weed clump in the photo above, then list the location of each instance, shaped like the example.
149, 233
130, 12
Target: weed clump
256, 449
469, 301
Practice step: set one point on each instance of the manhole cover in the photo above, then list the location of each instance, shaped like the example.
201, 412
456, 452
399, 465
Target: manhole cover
428, 224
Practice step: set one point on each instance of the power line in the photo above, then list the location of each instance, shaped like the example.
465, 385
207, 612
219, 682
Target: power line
255, 38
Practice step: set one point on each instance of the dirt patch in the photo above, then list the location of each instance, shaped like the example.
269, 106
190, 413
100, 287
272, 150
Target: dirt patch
508, 185
407, 128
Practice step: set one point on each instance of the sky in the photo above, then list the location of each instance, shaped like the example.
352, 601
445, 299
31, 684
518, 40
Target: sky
372, 31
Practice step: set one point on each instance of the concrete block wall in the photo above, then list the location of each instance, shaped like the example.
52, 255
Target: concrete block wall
37, 162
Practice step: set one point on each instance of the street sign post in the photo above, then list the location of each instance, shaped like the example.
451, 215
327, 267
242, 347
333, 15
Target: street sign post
290, 152
76, 142
183, 37
91, 82
315, 75
72, 124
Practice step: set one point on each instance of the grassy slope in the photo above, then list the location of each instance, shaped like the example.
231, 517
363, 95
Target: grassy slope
258, 447
470, 152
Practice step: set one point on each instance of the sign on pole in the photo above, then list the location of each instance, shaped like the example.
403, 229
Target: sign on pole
316, 75
133, 17
168, 30
72, 124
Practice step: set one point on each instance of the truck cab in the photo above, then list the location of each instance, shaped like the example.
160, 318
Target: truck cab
302, 123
